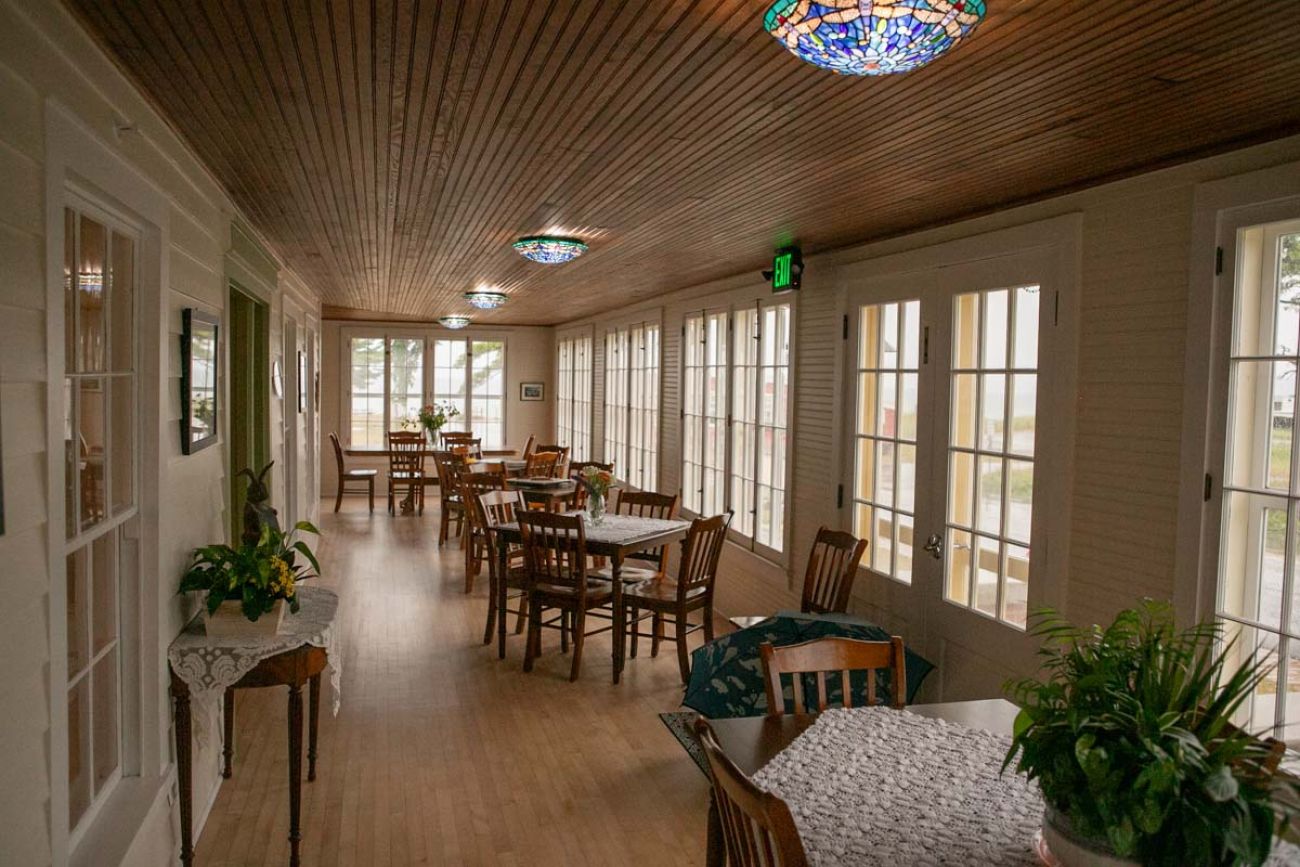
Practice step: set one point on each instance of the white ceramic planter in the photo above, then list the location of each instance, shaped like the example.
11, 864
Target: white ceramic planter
228, 623
1067, 849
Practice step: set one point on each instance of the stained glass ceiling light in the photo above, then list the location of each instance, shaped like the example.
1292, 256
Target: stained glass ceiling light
484, 300
550, 249
871, 37
454, 322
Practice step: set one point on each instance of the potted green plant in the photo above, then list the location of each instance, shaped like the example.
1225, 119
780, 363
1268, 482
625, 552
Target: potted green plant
1129, 735
246, 583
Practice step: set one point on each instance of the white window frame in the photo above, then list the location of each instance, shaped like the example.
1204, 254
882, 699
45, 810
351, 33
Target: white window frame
1046, 254
621, 436
348, 333
730, 475
78, 166
574, 389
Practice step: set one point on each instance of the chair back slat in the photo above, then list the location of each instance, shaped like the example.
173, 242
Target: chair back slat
405, 452
832, 569
701, 550
843, 655
757, 827
338, 453
472, 486
647, 504
555, 550
541, 464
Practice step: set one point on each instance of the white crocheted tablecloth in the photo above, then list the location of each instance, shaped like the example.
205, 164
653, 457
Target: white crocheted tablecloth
209, 666
622, 529
873, 786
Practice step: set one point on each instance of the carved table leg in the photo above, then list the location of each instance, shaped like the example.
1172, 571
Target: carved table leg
313, 723
184, 768
228, 748
503, 570
295, 771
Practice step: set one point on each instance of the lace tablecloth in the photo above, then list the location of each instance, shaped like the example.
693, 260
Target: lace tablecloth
876, 786
623, 529
209, 667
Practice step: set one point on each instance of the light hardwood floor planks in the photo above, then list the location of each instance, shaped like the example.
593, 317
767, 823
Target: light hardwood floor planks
444, 755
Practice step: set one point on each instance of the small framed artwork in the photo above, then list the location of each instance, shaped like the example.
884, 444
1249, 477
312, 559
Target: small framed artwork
302, 381
277, 378
200, 360
532, 391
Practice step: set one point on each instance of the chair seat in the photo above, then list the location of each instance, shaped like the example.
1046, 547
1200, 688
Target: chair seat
360, 474
747, 621
627, 574
597, 590
661, 591
406, 474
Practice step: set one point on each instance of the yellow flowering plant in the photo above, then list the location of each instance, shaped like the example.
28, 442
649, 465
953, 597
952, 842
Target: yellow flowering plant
255, 575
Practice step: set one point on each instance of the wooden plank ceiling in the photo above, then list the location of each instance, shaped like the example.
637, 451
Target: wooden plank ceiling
392, 149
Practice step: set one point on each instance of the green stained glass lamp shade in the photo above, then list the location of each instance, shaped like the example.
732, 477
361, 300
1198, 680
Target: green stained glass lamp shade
550, 249
871, 37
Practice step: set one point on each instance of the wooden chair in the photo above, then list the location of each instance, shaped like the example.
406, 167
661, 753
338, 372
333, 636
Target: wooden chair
475, 539
843, 655
541, 465
455, 437
697, 573
555, 555
561, 463
406, 466
757, 828
494, 509
528, 447
828, 579
346, 475
450, 469
467, 450
644, 504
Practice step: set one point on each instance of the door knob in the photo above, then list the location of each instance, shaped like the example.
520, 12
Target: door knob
934, 545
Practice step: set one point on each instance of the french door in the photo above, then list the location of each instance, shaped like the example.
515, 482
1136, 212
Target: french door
945, 382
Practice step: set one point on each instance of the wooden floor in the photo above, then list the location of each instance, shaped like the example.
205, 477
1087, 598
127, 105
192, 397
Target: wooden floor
443, 754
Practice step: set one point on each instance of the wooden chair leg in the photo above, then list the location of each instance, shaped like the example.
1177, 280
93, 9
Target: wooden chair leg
683, 661
492, 610
634, 625
708, 622
370, 483
338, 498
469, 570
579, 627
442, 526
657, 633
564, 631
534, 641
522, 617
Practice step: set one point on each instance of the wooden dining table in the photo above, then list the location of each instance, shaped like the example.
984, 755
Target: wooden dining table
752, 742
616, 538
408, 502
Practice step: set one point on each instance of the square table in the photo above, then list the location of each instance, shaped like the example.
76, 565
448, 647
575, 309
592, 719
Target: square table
616, 538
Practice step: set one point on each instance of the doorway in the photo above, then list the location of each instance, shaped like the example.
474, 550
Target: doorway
250, 398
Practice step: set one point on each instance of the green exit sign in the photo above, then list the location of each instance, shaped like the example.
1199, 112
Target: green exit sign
787, 269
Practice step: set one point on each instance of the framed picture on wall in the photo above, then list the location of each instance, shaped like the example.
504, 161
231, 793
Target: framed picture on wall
302, 381
200, 359
532, 391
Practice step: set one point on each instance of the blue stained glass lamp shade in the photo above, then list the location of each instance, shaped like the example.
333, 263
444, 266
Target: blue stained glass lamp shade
486, 300
871, 37
550, 249
453, 322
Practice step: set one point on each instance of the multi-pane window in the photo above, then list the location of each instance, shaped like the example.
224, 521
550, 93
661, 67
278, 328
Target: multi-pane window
704, 413
405, 379
391, 378
632, 404
573, 396
487, 392
760, 387
994, 393
1258, 589
885, 434
100, 435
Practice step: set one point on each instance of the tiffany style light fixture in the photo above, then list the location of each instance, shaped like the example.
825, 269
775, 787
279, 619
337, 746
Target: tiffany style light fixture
871, 37
550, 249
454, 322
485, 300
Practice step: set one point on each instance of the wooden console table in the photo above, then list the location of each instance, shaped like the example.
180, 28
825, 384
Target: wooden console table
294, 658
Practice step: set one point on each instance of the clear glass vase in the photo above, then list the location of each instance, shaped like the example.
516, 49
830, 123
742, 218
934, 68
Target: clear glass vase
596, 509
